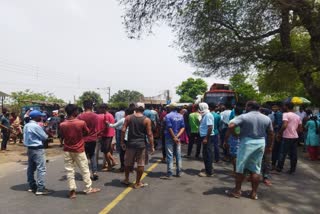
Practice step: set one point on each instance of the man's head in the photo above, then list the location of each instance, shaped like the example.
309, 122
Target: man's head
87, 105
103, 108
212, 107
222, 108
129, 111
238, 110
4, 111
36, 115
172, 107
275, 108
252, 106
140, 107
203, 108
288, 106
72, 110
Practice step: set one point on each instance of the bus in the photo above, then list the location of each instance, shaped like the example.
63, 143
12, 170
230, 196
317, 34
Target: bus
220, 94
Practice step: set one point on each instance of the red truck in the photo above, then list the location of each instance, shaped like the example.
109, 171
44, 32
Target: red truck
220, 94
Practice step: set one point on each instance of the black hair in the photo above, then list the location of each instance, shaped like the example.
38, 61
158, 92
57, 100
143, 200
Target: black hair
71, 109
139, 109
87, 104
315, 119
253, 105
129, 111
104, 106
238, 110
289, 105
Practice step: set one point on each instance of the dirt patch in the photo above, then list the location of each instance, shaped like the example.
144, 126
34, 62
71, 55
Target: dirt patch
17, 152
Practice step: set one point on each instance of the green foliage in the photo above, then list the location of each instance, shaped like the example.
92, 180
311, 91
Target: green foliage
23, 98
118, 105
224, 38
126, 96
239, 83
90, 95
189, 89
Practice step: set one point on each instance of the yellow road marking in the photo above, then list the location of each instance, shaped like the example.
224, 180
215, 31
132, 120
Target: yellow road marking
125, 192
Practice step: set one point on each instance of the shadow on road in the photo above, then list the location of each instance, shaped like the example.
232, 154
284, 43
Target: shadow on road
20, 187
78, 177
115, 183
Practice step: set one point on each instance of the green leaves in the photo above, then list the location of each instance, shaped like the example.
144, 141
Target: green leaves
27, 97
90, 95
189, 89
126, 96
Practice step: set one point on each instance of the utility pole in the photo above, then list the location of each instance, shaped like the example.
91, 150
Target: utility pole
109, 93
108, 89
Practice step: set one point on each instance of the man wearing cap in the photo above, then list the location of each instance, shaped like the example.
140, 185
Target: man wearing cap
139, 128
174, 129
33, 136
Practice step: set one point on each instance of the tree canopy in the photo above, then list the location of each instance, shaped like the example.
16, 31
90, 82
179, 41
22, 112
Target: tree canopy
27, 97
239, 83
228, 37
190, 88
90, 95
126, 96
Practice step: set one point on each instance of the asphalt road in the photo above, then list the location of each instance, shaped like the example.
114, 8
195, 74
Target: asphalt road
188, 194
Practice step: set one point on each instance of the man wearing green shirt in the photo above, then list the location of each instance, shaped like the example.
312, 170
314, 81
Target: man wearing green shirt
194, 121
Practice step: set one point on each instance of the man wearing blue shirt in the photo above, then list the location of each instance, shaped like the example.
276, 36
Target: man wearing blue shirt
174, 129
206, 134
34, 135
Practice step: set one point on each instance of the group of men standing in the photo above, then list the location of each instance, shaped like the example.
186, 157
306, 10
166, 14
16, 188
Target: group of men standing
86, 133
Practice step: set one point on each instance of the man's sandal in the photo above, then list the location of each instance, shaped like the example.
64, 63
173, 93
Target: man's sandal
93, 190
233, 194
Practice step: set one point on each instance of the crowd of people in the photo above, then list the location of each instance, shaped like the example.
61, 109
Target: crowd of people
255, 140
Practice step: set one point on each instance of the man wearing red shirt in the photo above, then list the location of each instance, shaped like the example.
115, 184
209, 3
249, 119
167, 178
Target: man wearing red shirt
73, 130
106, 134
90, 140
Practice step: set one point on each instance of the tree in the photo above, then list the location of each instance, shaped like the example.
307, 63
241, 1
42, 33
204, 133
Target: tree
227, 37
27, 97
189, 89
90, 95
126, 96
239, 83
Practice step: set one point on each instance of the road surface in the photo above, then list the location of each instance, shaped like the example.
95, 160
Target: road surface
189, 194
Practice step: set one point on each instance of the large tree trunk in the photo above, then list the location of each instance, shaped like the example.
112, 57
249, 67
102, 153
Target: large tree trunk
310, 19
311, 86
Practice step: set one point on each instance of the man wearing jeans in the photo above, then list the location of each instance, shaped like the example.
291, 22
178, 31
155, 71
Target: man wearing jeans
119, 116
291, 125
206, 135
90, 140
33, 137
174, 129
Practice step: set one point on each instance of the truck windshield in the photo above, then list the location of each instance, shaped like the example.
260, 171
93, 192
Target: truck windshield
218, 98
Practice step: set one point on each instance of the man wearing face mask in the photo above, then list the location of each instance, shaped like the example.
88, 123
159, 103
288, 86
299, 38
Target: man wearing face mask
206, 134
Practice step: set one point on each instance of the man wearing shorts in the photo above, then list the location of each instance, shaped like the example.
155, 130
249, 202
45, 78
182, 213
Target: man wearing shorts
139, 128
106, 135
254, 128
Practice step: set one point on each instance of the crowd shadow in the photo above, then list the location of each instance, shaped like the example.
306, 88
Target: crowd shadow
77, 176
115, 183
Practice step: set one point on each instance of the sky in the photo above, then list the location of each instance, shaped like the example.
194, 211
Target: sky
70, 46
